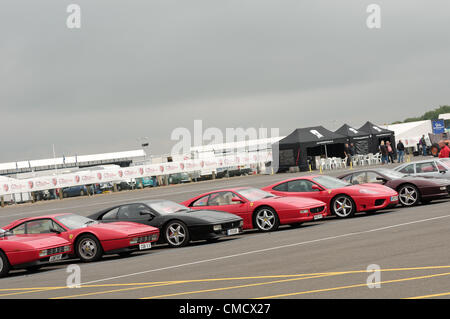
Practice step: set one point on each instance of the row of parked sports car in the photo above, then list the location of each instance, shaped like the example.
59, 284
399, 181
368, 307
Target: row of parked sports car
29, 243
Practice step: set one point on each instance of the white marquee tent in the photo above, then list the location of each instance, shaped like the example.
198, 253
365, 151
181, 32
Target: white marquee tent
411, 132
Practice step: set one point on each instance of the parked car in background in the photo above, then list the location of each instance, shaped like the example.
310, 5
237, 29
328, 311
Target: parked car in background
178, 224
434, 167
342, 198
27, 252
148, 181
90, 239
179, 178
74, 191
411, 189
125, 186
260, 209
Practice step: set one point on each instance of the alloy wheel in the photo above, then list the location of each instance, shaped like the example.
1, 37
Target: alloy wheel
87, 248
408, 195
343, 207
175, 234
265, 219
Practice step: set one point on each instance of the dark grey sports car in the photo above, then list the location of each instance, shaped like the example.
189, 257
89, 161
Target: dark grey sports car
178, 224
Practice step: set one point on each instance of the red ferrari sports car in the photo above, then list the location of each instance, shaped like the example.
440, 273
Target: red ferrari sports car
342, 198
90, 239
260, 209
24, 252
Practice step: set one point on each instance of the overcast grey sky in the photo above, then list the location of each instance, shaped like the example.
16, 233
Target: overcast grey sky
143, 68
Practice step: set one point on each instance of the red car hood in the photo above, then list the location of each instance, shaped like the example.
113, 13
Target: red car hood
127, 228
37, 242
302, 202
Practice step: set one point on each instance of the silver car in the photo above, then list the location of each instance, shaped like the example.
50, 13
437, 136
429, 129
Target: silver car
434, 167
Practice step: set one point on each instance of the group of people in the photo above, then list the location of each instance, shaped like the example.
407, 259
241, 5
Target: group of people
388, 153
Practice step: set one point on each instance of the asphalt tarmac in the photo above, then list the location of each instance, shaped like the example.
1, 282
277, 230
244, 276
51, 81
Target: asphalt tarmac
324, 259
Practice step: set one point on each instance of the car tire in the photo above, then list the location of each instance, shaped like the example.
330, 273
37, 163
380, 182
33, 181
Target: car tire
4, 265
408, 195
266, 219
81, 192
88, 248
64, 195
176, 234
342, 206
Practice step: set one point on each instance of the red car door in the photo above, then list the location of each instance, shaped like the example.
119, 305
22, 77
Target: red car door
302, 188
227, 202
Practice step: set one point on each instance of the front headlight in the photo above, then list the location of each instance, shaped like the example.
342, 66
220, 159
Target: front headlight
66, 248
217, 227
134, 241
154, 237
304, 211
241, 223
43, 253
443, 188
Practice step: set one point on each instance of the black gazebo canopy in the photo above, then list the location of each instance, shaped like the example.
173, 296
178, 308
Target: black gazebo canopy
378, 134
302, 143
359, 138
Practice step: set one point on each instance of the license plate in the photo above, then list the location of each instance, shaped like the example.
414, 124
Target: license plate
145, 246
232, 231
394, 198
318, 216
55, 258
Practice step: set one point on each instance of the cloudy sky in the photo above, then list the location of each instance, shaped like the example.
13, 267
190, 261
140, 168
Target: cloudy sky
143, 68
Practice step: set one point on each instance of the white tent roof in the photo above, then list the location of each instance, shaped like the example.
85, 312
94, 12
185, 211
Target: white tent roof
261, 143
72, 160
411, 132
445, 116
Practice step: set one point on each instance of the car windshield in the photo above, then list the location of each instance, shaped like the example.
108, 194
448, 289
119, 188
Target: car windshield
391, 173
73, 221
330, 182
253, 194
166, 207
445, 162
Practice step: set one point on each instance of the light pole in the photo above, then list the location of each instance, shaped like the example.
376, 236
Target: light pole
144, 142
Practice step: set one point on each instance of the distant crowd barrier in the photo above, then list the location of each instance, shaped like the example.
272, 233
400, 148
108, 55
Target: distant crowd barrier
87, 177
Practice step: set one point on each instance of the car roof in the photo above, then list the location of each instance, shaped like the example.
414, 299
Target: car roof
26, 219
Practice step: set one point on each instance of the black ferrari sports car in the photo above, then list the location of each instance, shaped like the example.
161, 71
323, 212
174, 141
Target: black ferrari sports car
178, 224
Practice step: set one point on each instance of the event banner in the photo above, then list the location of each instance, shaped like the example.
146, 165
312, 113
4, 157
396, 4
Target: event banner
119, 174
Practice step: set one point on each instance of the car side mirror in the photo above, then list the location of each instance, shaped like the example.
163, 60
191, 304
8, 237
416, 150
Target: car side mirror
381, 179
54, 230
316, 188
146, 212
442, 171
237, 200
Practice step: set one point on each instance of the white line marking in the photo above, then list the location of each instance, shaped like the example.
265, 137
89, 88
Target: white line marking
267, 249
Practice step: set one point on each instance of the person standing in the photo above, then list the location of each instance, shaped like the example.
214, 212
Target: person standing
401, 151
348, 154
384, 153
390, 152
423, 144
445, 150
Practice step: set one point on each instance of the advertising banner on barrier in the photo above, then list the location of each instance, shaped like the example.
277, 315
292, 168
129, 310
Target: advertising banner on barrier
11, 186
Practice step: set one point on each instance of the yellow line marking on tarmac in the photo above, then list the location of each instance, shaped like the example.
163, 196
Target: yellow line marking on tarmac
143, 285
235, 287
353, 286
430, 296
116, 290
